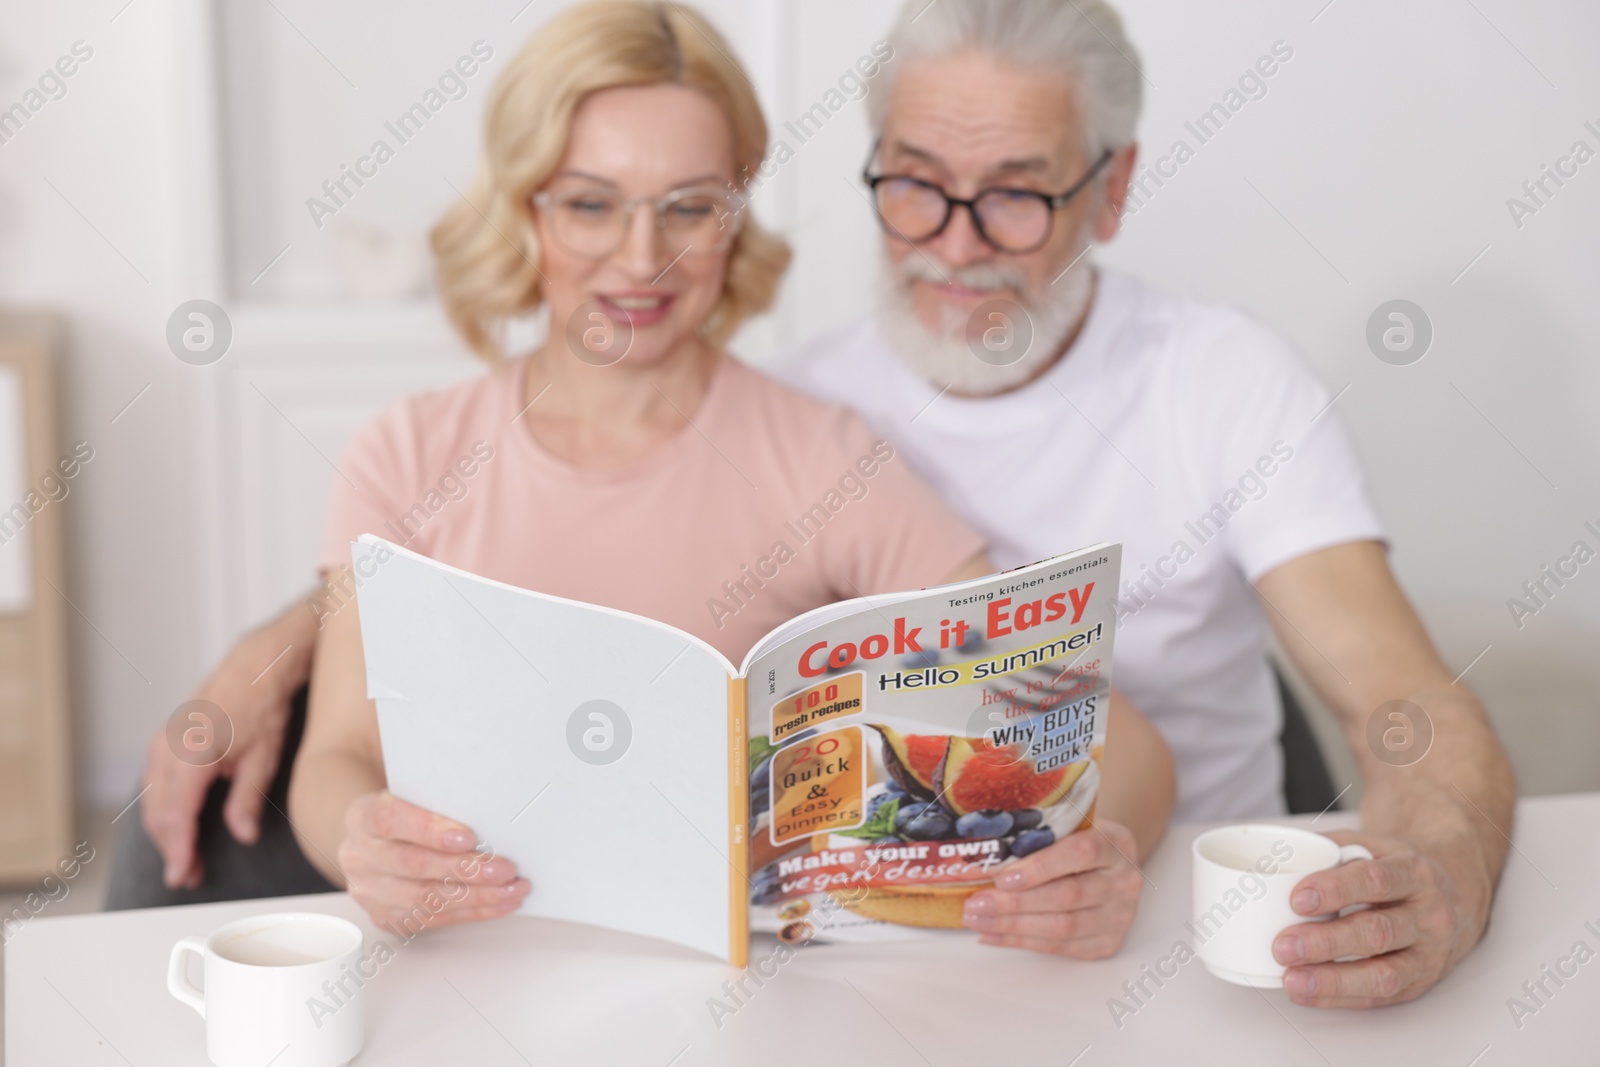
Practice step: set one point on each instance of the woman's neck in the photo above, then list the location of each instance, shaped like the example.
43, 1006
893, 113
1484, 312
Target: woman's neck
615, 415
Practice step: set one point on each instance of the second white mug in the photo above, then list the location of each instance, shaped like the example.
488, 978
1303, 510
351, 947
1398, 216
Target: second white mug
1243, 878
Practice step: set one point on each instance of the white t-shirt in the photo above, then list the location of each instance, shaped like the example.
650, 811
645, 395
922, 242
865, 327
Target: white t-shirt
1187, 431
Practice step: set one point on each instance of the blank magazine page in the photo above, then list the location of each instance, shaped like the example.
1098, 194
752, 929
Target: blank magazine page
588, 745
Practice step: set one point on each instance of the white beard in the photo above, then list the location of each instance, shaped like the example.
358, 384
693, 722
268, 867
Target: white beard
946, 356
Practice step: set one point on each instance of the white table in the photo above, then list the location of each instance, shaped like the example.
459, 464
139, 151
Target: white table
91, 990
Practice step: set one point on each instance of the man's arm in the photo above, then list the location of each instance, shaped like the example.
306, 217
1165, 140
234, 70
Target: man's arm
253, 685
1437, 822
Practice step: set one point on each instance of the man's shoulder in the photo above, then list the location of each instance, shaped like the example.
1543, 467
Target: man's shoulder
1209, 339
830, 365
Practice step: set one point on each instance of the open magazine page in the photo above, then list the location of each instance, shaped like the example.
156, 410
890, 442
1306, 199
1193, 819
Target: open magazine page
589, 746
903, 752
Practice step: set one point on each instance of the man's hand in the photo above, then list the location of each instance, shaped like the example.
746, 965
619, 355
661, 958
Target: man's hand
403, 862
1075, 898
253, 687
1421, 922
1436, 820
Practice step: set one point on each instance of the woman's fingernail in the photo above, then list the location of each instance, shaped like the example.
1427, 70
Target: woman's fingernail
1307, 901
457, 839
1011, 880
1288, 949
981, 905
517, 888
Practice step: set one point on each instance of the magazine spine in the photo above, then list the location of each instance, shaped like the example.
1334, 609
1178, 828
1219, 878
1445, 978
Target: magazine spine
738, 827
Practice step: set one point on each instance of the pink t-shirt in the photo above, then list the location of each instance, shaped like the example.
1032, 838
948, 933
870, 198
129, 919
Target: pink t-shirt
770, 504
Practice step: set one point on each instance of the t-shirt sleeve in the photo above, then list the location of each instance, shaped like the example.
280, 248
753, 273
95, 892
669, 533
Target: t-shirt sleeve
898, 534
376, 474
1271, 451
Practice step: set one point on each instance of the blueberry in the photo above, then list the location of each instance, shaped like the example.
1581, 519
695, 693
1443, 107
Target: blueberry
1030, 841
923, 821
984, 824
761, 776
890, 839
1026, 819
760, 801
881, 799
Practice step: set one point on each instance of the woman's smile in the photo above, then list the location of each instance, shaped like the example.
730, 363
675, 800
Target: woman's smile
636, 307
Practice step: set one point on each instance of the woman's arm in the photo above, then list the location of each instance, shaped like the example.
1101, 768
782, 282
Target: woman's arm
1139, 783
340, 758
976, 567
407, 866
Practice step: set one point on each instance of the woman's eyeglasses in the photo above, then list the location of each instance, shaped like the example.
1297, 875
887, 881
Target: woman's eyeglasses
1009, 220
593, 223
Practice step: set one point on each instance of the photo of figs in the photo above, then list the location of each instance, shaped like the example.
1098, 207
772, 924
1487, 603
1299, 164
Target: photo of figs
912, 760
976, 776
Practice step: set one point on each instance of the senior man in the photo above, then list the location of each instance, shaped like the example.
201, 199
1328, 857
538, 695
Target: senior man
1053, 405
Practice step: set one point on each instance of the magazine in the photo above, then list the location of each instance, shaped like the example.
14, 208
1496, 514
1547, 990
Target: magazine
868, 767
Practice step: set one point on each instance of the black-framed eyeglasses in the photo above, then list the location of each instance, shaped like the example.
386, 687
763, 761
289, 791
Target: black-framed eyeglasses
1016, 221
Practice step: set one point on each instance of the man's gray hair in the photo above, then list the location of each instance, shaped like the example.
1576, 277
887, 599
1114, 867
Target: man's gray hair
1082, 38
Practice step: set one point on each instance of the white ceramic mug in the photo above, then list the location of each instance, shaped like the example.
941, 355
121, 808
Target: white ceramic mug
282, 988
1243, 877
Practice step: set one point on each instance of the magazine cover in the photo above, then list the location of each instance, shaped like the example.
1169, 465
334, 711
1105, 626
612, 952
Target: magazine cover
901, 756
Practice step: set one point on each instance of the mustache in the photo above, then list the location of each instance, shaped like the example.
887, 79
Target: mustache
985, 276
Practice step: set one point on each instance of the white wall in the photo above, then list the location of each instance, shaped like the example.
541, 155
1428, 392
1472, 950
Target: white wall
1381, 159
99, 216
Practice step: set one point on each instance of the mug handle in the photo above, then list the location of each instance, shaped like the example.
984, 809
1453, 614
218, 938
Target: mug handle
178, 983
1347, 853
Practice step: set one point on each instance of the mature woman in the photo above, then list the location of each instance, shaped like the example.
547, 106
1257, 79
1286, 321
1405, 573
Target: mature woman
630, 462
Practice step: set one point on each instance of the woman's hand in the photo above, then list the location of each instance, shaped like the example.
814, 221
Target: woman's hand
1074, 898
411, 868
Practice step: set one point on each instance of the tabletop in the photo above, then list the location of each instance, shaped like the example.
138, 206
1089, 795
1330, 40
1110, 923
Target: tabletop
91, 989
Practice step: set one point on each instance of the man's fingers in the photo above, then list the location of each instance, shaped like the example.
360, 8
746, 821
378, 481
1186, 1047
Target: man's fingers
252, 777
170, 812
386, 816
1365, 933
1391, 979
1375, 881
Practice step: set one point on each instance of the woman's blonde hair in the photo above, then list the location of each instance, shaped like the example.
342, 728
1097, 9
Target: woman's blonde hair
486, 247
